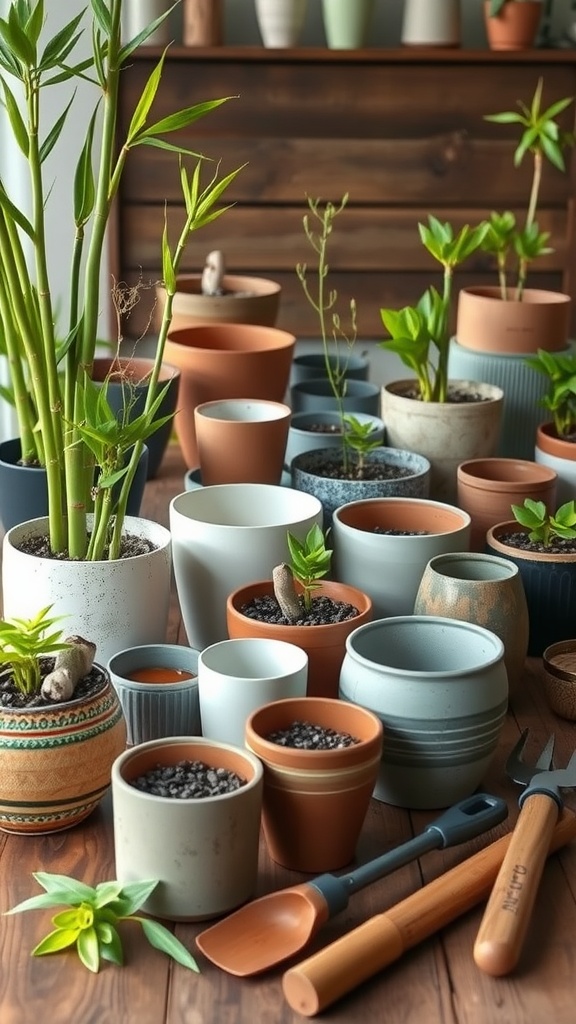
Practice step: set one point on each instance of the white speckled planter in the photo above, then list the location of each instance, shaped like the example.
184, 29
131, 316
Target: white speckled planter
334, 492
117, 604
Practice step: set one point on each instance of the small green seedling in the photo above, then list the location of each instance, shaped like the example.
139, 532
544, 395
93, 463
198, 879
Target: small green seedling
310, 561
544, 527
359, 438
90, 920
560, 399
23, 642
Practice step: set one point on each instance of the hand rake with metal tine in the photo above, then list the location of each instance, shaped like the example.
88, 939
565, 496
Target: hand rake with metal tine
507, 915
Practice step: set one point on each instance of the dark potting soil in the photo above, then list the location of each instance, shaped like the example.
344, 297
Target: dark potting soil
455, 396
307, 736
10, 696
324, 428
332, 469
521, 540
323, 612
188, 780
130, 546
401, 533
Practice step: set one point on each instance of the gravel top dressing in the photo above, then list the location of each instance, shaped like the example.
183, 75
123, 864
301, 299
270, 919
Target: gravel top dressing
324, 611
307, 736
188, 780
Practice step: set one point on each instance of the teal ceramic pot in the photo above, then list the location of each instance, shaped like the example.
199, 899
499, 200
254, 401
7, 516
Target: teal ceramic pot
484, 589
440, 688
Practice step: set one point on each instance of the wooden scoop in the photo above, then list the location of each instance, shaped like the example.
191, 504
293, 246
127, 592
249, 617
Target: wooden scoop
267, 931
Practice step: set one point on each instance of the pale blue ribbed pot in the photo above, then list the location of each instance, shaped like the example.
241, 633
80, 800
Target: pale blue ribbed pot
440, 688
157, 710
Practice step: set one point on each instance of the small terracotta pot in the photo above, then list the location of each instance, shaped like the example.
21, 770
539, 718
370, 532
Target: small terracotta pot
245, 300
219, 361
324, 645
488, 323
202, 23
488, 487
559, 455
55, 762
559, 663
241, 440
315, 801
515, 27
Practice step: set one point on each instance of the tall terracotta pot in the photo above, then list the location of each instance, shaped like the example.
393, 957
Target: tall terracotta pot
488, 487
324, 645
315, 801
488, 323
218, 361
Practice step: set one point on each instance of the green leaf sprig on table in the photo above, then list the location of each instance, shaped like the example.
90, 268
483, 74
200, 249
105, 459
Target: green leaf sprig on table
91, 917
543, 526
310, 560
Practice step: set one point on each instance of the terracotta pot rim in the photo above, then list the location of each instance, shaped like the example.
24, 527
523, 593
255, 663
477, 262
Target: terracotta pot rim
201, 338
511, 526
257, 286
532, 296
549, 442
283, 411
212, 752
397, 506
313, 708
522, 472
353, 595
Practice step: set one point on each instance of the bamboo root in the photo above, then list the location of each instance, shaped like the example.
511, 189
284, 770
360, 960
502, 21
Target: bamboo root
70, 666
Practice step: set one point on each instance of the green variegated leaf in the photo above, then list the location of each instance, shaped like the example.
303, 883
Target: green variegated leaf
56, 941
75, 890
145, 102
88, 949
16, 122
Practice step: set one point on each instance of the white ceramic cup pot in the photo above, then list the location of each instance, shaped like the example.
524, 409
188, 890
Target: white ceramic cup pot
204, 852
440, 688
227, 535
163, 700
235, 677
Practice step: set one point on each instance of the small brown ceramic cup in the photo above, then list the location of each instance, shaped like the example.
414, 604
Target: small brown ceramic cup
559, 662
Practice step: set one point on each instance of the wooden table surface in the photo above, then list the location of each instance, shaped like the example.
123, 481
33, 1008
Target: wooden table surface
434, 983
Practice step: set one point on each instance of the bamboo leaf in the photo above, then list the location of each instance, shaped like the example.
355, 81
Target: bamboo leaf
159, 937
102, 16
145, 102
185, 117
84, 187
16, 120
57, 49
55, 132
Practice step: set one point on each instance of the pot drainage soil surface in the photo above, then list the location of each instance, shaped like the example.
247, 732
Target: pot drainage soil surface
188, 780
307, 736
324, 612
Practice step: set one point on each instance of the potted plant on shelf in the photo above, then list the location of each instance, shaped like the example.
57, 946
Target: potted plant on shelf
543, 546
299, 606
359, 467
511, 318
556, 438
61, 726
65, 421
445, 420
512, 24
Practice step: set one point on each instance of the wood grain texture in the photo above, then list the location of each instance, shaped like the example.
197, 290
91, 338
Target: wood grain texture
403, 133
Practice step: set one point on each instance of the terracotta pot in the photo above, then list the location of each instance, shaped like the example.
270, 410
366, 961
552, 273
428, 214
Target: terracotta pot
440, 688
482, 589
515, 27
324, 645
219, 361
245, 300
446, 433
204, 852
315, 801
488, 487
241, 440
202, 23
558, 455
489, 324
307, 470
389, 567
127, 392
550, 586
559, 664
55, 762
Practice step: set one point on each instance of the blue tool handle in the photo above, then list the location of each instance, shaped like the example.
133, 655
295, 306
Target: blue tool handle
465, 820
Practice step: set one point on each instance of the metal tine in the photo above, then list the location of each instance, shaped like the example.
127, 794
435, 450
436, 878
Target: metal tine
516, 767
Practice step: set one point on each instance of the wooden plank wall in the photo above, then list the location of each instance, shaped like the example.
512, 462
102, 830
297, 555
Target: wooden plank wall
403, 134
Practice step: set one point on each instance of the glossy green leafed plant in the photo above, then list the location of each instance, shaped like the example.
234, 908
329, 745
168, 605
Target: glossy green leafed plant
542, 138
420, 334
50, 375
543, 526
92, 916
23, 642
560, 400
309, 561
359, 439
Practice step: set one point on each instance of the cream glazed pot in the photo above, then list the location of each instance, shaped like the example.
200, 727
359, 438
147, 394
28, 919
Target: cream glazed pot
115, 604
